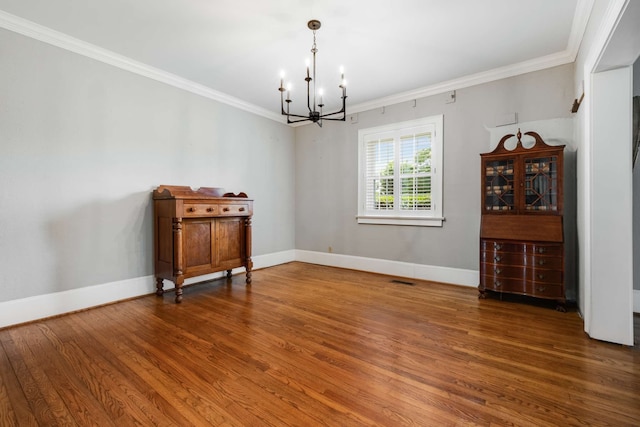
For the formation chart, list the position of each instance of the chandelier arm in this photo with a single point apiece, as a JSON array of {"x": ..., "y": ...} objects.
[
  {"x": 342, "y": 111},
  {"x": 298, "y": 115},
  {"x": 304, "y": 119}
]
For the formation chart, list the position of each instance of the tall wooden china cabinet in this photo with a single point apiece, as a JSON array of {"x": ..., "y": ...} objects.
[{"x": 521, "y": 232}]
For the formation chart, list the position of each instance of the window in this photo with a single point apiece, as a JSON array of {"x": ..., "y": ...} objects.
[{"x": 400, "y": 173}]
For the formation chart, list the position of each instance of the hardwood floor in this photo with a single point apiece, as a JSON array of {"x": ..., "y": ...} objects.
[{"x": 307, "y": 345}]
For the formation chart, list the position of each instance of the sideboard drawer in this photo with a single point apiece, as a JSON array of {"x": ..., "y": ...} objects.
[
  {"x": 234, "y": 209},
  {"x": 199, "y": 209}
]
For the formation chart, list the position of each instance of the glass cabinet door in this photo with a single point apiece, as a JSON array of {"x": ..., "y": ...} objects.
[
  {"x": 499, "y": 185},
  {"x": 541, "y": 183}
]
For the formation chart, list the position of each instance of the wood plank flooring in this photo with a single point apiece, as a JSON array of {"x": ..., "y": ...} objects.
[{"x": 308, "y": 345}]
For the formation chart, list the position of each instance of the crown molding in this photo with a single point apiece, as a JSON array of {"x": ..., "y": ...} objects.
[
  {"x": 56, "y": 38},
  {"x": 578, "y": 27},
  {"x": 64, "y": 41},
  {"x": 537, "y": 64}
]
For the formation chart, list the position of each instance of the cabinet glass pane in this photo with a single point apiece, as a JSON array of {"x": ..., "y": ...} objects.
[
  {"x": 498, "y": 184},
  {"x": 541, "y": 184}
]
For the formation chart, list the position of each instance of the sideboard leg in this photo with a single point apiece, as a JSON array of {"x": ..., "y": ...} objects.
[
  {"x": 248, "y": 266},
  {"x": 178, "y": 294},
  {"x": 561, "y": 307},
  {"x": 159, "y": 290},
  {"x": 228, "y": 274}
]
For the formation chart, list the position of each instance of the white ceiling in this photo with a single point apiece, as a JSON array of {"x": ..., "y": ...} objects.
[{"x": 391, "y": 51}]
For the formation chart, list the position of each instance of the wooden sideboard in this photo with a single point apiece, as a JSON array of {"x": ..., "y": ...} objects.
[{"x": 199, "y": 232}]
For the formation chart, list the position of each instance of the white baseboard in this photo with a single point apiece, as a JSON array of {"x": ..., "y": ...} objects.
[
  {"x": 456, "y": 276},
  {"x": 41, "y": 306},
  {"x": 47, "y": 305}
]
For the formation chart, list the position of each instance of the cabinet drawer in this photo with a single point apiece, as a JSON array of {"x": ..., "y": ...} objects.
[
  {"x": 503, "y": 258},
  {"x": 543, "y": 249},
  {"x": 545, "y": 290},
  {"x": 539, "y": 275},
  {"x": 234, "y": 209},
  {"x": 500, "y": 284},
  {"x": 546, "y": 262},
  {"x": 199, "y": 209},
  {"x": 500, "y": 246},
  {"x": 502, "y": 271}
]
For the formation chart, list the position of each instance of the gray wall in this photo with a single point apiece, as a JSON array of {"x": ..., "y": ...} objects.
[
  {"x": 82, "y": 145},
  {"x": 326, "y": 171}
]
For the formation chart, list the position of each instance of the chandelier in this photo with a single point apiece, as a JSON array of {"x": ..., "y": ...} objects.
[{"x": 314, "y": 98}]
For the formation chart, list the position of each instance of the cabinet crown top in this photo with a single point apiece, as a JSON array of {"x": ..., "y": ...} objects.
[
  {"x": 538, "y": 145},
  {"x": 186, "y": 192}
]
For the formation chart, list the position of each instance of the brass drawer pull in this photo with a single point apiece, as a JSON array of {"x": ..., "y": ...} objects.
[
  {"x": 241, "y": 210},
  {"x": 225, "y": 210},
  {"x": 542, "y": 262},
  {"x": 497, "y": 271},
  {"x": 497, "y": 246},
  {"x": 497, "y": 283},
  {"x": 542, "y": 250},
  {"x": 209, "y": 209},
  {"x": 540, "y": 276},
  {"x": 541, "y": 289},
  {"x": 191, "y": 209},
  {"x": 497, "y": 258}
]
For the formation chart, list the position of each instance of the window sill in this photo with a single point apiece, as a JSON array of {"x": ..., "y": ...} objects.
[{"x": 399, "y": 220}]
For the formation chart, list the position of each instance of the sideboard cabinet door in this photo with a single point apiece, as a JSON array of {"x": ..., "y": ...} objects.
[
  {"x": 199, "y": 237},
  {"x": 230, "y": 238}
]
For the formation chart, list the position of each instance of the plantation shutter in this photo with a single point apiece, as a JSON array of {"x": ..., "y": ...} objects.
[
  {"x": 415, "y": 172},
  {"x": 380, "y": 158}
]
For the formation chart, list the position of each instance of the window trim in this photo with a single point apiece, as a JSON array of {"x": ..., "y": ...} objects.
[{"x": 431, "y": 218}]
